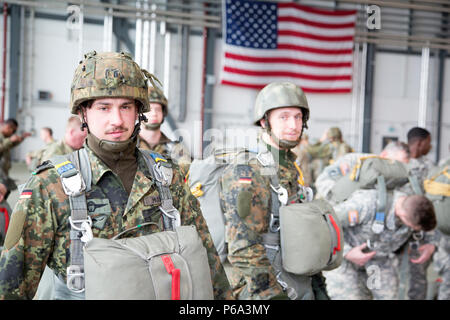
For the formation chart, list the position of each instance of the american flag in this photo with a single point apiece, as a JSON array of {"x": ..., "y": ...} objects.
[{"x": 285, "y": 41}]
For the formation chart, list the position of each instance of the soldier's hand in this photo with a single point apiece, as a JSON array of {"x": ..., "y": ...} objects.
[
  {"x": 358, "y": 257},
  {"x": 426, "y": 251},
  {"x": 15, "y": 138}
]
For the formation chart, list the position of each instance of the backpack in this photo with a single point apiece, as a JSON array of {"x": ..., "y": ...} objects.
[
  {"x": 204, "y": 181},
  {"x": 169, "y": 264},
  {"x": 437, "y": 189}
]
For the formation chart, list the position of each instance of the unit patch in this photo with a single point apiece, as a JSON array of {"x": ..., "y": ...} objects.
[{"x": 353, "y": 218}]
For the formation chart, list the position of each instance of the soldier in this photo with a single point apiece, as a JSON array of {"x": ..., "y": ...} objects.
[
  {"x": 8, "y": 140},
  {"x": 109, "y": 93},
  {"x": 281, "y": 109},
  {"x": 419, "y": 142},
  {"x": 152, "y": 138},
  {"x": 74, "y": 137},
  {"x": 330, "y": 147},
  {"x": 372, "y": 274},
  {"x": 32, "y": 158}
]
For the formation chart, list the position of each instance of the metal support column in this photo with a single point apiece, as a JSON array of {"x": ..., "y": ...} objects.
[
  {"x": 368, "y": 97},
  {"x": 14, "y": 60},
  {"x": 209, "y": 81}
]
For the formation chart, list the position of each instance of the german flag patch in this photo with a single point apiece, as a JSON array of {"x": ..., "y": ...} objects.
[
  {"x": 26, "y": 194},
  {"x": 247, "y": 180}
]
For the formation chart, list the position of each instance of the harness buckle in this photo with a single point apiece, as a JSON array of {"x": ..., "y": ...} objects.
[
  {"x": 75, "y": 278},
  {"x": 73, "y": 185},
  {"x": 282, "y": 194}
]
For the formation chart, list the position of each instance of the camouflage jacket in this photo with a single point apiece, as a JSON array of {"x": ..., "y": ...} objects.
[
  {"x": 36, "y": 156},
  {"x": 357, "y": 215},
  {"x": 245, "y": 198},
  {"x": 420, "y": 167},
  {"x": 56, "y": 148},
  {"x": 5, "y": 153},
  {"x": 174, "y": 150},
  {"x": 39, "y": 230}
]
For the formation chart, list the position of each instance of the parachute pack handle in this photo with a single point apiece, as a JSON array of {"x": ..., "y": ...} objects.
[
  {"x": 333, "y": 226},
  {"x": 175, "y": 273},
  {"x": 134, "y": 228}
]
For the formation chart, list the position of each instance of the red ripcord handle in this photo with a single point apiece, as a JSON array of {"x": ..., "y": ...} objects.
[
  {"x": 168, "y": 263},
  {"x": 338, "y": 233}
]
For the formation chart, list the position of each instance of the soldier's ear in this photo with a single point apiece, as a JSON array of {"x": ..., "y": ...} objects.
[{"x": 262, "y": 122}]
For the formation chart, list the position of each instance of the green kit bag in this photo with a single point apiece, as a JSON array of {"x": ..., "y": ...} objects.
[
  {"x": 168, "y": 265},
  {"x": 365, "y": 174},
  {"x": 311, "y": 237}
]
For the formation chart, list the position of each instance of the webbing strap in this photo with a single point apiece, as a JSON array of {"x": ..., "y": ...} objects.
[
  {"x": 438, "y": 188},
  {"x": 168, "y": 263},
  {"x": 161, "y": 172},
  {"x": 378, "y": 223},
  {"x": 415, "y": 185}
]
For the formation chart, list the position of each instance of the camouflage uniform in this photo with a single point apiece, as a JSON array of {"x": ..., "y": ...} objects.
[
  {"x": 5, "y": 153},
  {"x": 245, "y": 197},
  {"x": 325, "y": 153},
  {"x": 419, "y": 167},
  {"x": 303, "y": 161},
  {"x": 378, "y": 279},
  {"x": 441, "y": 260},
  {"x": 57, "y": 148},
  {"x": 174, "y": 150},
  {"x": 36, "y": 156},
  {"x": 39, "y": 232}
]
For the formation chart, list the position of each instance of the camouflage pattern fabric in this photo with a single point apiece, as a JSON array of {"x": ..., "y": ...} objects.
[
  {"x": 173, "y": 150},
  {"x": 245, "y": 197},
  {"x": 361, "y": 208},
  {"x": 39, "y": 230},
  {"x": 58, "y": 148},
  {"x": 36, "y": 156},
  {"x": 441, "y": 260},
  {"x": 419, "y": 167},
  {"x": 5, "y": 153}
]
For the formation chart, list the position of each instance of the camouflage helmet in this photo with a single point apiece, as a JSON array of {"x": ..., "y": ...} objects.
[
  {"x": 278, "y": 95},
  {"x": 108, "y": 75},
  {"x": 334, "y": 133},
  {"x": 155, "y": 95}
]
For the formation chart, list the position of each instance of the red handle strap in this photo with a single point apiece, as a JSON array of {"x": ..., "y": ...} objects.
[
  {"x": 5, "y": 213},
  {"x": 338, "y": 234},
  {"x": 168, "y": 263}
]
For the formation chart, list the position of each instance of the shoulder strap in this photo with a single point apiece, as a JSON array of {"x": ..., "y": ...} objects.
[
  {"x": 161, "y": 172},
  {"x": 80, "y": 223}
]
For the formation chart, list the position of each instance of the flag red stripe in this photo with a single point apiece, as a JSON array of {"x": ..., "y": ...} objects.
[
  {"x": 335, "y": 13},
  {"x": 314, "y": 36},
  {"x": 286, "y": 74},
  {"x": 316, "y": 24},
  {"x": 287, "y": 60},
  {"x": 305, "y": 89},
  {"x": 314, "y": 50}
]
